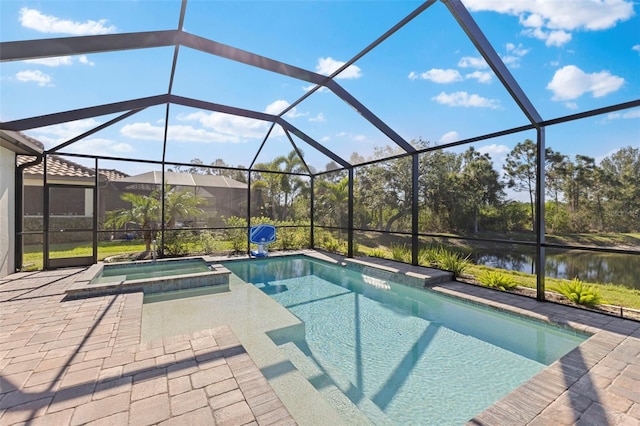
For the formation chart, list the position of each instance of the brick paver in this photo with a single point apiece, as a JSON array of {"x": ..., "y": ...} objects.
[{"x": 81, "y": 362}]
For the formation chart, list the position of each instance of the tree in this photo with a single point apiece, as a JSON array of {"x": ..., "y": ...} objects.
[
  {"x": 479, "y": 183},
  {"x": 437, "y": 182},
  {"x": 520, "y": 169},
  {"x": 622, "y": 169},
  {"x": 370, "y": 201},
  {"x": 181, "y": 204},
  {"x": 144, "y": 211},
  {"x": 291, "y": 163},
  {"x": 555, "y": 171},
  {"x": 268, "y": 182},
  {"x": 333, "y": 198}
]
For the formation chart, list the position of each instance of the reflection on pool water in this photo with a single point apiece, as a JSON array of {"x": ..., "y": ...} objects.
[{"x": 404, "y": 355}]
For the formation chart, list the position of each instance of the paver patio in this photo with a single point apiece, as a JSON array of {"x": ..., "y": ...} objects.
[{"x": 82, "y": 362}]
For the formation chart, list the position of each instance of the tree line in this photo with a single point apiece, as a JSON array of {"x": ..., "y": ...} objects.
[{"x": 457, "y": 192}]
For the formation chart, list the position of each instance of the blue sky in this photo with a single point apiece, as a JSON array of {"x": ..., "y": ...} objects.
[{"x": 426, "y": 81}]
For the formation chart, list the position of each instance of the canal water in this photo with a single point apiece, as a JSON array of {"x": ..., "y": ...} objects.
[{"x": 592, "y": 267}]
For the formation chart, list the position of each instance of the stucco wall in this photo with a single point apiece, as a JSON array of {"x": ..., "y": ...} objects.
[{"x": 7, "y": 211}]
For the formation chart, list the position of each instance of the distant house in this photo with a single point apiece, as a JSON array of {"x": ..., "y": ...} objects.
[
  {"x": 65, "y": 172},
  {"x": 225, "y": 196}
]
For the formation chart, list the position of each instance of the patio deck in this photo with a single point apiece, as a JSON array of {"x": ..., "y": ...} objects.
[{"x": 83, "y": 362}]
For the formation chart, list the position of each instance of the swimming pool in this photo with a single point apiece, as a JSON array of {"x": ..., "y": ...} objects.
[
  {"x": 142, "y": 270},
  {"x": 150, "y": 277},
  {"x": 403, "y": 355}
]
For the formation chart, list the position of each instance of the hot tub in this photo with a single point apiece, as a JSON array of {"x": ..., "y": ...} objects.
[{"x": 152, "y": 276}]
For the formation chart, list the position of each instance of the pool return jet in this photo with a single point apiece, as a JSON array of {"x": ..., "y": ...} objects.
[{"x": 262, "y": 235}]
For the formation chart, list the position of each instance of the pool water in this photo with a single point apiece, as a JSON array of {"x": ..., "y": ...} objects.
[
  {"x": 146, "y": 270},
  {"x": 408, "y": 356}
]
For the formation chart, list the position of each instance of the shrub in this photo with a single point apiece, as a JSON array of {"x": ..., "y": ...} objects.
[
  {"x": 428, "y": 256},
  {"x": 209, "y": 242},
  {"x": 578, "y": 292},
  {"x": 237, "y": 233},
  {"x": 496, "y": 279},
  {"x": 286, "y": 238},
  {"x": 400, "y": 253},
  {"x": 177, "y": 243},
  {"x": 330, "y": 244},
  {"x": 378, "y": 252},
  {"x": 451, "y": 261}
]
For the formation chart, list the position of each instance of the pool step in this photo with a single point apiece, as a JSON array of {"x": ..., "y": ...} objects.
[
  {"x": 414, "y": 276},
  {"x": 334, "y": 387}
]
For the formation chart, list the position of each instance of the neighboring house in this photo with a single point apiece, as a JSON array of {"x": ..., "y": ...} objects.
[
  {"x": 61, "y": 171},
  {"x": 224, "y": 196}
]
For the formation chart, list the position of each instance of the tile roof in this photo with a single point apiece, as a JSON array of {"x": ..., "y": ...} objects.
[{"x": 58, "y": 166}]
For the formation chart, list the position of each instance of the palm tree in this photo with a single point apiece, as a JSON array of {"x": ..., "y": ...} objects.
[
  {"x": 335, "y": 197},
  {"x": 269, "y": 182},
  {"x": 181, "y": 204},
  {"x": 144, "y": 211},
  {"x": 292, "y": 163}
]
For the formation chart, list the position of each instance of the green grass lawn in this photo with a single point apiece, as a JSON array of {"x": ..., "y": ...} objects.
[
  {"x": 612, "y": 294},
  {"x": 33, "y": 254}
]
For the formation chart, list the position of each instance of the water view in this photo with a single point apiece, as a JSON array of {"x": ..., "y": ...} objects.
[{"x": 587, "y": 266}]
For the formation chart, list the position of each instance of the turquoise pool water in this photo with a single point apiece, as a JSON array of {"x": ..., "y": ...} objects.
[
  {"x": 405, "y": 355},
  {"x": 146, "y": 270}
]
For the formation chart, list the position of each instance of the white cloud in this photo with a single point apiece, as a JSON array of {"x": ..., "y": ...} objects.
[
  {"x": 224, "y": 128},
  {"x": 327, "y": 66},
  {"x": 325, "y": 139},
  {"x": 481, "y": 76},
  {"x": 494, "y": 150},
  {"x": 552, "y": 21},
  {"x": 625, "y": 115},
  {"x": 59, "y": 133},
  {"x": 516, "y": 50},
  {"x": 35, "y": 20},
  {"x": 449, "y": 137},
  {"x": 52, "y": 62},
  {"x": 311, "y": 86},
  {"x": 85, "y": 60},
  {"x": 557, "y": 38},
  {"x": 100, "y": 146},
  {"x": 352, "y": 136},
  {"x": 276, "y": 108},
  {"x": 318, "y": 118},
  {"x": 437, "y": 75},
  {"x": 34, "y": 75},
  {"x": 464, "y": 99},
  {"x": 498, "y": 154},
  {"x": 473, "y": 62},
  {"x": 59, "y": 61},
  {"x": 570, "y": 82},
  {"x": 514, "y": 55},
  {"x": 550, "y": 38},
  {"x": 571, "y": 105},
  {"x": 178, "y": 133},
  {"x": 636, "y": 48}
]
